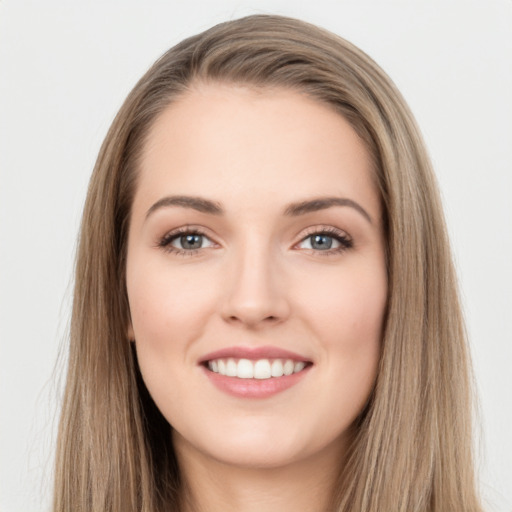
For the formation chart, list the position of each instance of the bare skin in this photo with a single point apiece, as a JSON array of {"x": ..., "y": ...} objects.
[
  {"x": 256, "y": 229},
  {"x": 213, "y": 485}
]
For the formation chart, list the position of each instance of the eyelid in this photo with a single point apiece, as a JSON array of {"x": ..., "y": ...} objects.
[
  {"x": 342, "y": 237},
  {"x": 345, "y": 240},
  {"x": 324, "y": 229},
  {"x": 165, "y": 242},
  {"x": 178, "y": 236}
]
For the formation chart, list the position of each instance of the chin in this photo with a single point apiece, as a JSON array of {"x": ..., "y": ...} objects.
[
  {"x": 260, "y": 446},
  {"x": 259, "y": 455}
]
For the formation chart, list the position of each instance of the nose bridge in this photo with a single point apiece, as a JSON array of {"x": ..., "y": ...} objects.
[{"x": 255, "y": 292}]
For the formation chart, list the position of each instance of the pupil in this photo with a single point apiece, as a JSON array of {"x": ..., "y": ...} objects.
[
  {"x": 191, "y": 241},
  {"x": 321, "y": 242}
]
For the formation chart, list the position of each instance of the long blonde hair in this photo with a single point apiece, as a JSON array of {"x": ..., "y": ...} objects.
[{"x": 412, "y": 443}]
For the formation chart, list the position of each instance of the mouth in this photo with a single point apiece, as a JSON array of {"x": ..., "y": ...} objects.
[
  {"x": 254, "y": 372},
  {"x": 255, "y": 369}
]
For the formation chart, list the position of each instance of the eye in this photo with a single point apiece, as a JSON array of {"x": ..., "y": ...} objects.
[
  {"x": 189, "y": 241},
  {"x": 321, "y": 242},
  {"x": 185, "y": 241},
  {"x": 328, "y": 241}
]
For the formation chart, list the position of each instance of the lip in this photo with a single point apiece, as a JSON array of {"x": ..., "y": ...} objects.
[
  {"x": 254, "y": 388},
  {"x": 253, "y": 353}
]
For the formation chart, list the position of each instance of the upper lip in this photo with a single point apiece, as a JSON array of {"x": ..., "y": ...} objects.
[{"x": 254, "y": 353}]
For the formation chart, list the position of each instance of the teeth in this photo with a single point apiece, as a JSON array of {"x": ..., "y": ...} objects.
[
  {"x": 277, "y": 368},
  {"x": 288, "y": 367},
  {"x": 299, "y": 367},
  {"x": 231, "y": 368},
  {"x": 245, "y": 369},
  {"x": 261, "y": 369}
]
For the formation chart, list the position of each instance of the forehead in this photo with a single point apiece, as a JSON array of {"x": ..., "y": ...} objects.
[{"x": 239, "y": 142}]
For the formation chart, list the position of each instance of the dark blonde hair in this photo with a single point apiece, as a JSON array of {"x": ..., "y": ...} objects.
[{"x": 412, "y": 443}]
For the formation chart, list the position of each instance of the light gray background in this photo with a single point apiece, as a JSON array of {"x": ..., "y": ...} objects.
[{"x": 65, "y": 68}]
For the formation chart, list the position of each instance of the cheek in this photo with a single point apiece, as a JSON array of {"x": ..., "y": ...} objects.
[
  {"x": 167, "y": 306},
  {"x": 170, "y": 309},
  {"x": 166, "y": 313},
  {"x": 349, "y": 309},
  {"x": 348, "y": 317}
]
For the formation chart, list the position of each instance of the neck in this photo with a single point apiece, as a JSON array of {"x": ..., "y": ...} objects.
[{"x": 210, "y": 485}]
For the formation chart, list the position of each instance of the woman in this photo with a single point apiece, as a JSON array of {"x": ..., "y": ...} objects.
[{"x": 265, "y": 312}]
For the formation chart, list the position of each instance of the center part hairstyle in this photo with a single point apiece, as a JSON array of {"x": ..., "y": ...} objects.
[{"x": 411, "y": 450}]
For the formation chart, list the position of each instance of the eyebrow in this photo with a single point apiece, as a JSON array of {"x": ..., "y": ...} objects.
[
  {"x": 292, "y": 210},
  {"x": 322, "y": 203},
  {"x": 196, "y": 203}
]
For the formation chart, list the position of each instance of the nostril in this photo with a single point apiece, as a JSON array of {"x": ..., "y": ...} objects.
[{"x": 253, "y": 319}]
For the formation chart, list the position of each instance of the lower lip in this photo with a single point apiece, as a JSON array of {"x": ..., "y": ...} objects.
[{"x": 255, "y": 388}]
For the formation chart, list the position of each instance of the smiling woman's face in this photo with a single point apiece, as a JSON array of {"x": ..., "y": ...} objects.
[{"x": 256, "y": 250}]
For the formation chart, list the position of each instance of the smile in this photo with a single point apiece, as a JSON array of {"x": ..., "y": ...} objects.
[
  {"x": 255, "y": 372},
  {"x": 260, "y": 369}
]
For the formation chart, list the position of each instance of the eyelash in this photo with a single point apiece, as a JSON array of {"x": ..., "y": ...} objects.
[
  {"x": 165, "y": 242},
  {"x": 340, "y": 236},
  {"x": 344, "y": 240}
]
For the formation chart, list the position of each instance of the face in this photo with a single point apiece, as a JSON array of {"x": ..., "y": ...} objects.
[{"x": 256, "y": 275}]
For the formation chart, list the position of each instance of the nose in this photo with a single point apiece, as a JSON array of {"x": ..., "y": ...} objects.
[{"x": 256, "y": 292}]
